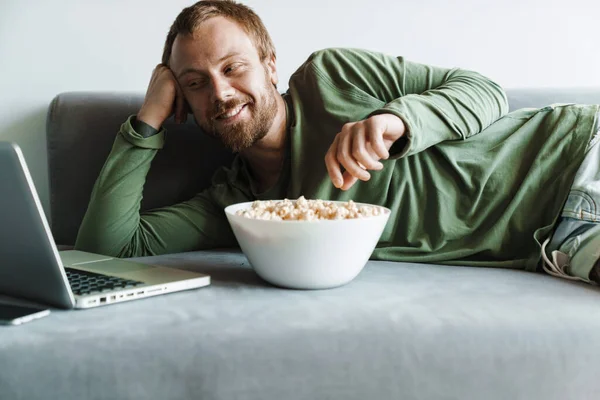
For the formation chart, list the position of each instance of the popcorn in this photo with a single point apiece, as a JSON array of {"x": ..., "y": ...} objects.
[{"x": 307, "y": 210}]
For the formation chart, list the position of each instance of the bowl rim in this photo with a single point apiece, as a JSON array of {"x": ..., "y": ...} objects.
[{"x": 386, "y": 213}]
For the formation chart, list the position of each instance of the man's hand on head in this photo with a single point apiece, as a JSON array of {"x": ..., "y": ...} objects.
[
  {"x": 359, "y": 146},
  {"x": 163, "y": 99}
]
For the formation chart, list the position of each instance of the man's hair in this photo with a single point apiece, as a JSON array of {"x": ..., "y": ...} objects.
[{"x": 191, "y": 17}]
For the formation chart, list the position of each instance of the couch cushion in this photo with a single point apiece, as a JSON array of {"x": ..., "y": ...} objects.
[{"x": 398, "y": 331}]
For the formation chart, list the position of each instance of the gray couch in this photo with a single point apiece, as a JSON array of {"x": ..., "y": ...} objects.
[{"x": 398, "y": 331}]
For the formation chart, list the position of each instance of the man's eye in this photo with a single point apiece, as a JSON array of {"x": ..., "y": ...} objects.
[
  {"x": 231, "y": 68},
  {"x": 194, "y": 84}
]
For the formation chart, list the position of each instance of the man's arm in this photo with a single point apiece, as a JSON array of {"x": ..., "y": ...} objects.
[
  {"x": 435, "y": 104},
  {"x": 432, "y": 104},
  {"x": 113, "y": 224}
]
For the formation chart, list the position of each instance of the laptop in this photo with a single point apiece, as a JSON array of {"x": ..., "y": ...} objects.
[{"x": 31, "y": 267}]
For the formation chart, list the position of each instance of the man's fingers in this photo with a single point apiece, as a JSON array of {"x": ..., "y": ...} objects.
[
  {"x": 333, "y": 166},
  {"x": 155, "y": 73},
  {"x": 375, "y": 133},
  {"x": 372, "y": 152},
  {"x": 345, "y": 158},
  {"x": 357, "y": 148},
  {"x": 349, "y": 181},
  {"x": 360, "y": 152},
  {"x": 180, "y": 106},
  {"x": 186, "y": 109}
]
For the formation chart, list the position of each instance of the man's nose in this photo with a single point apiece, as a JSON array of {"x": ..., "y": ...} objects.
[{"x": 222, "y": 89}]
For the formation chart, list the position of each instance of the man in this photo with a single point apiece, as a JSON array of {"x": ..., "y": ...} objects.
[{"x": 467, "y": 184}]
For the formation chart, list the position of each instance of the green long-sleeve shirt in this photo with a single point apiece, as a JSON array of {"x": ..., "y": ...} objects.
[{"x": 469, "y": 184}]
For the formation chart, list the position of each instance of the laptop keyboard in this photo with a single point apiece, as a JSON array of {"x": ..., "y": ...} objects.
[{"x": 84, "y": 282}]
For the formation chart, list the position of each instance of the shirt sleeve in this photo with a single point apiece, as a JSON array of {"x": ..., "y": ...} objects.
[
  {"x": 436, "y": 104},
  {"x": 113, "y": 224}
]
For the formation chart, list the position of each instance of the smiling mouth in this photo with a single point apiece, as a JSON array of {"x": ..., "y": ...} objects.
[{"x": 231, "y": 113}]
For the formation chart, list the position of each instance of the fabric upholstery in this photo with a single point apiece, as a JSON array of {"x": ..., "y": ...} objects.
[{"x": 398, "y": 331}]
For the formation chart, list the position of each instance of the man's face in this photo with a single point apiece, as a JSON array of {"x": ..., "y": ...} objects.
[{"x": 227, "y": 87}]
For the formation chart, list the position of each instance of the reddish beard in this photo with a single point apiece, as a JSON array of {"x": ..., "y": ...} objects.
[{"x": 243, "y": 134}]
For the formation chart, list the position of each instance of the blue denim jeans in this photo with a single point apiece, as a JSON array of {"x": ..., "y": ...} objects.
[{"x": 574, "y": 248}]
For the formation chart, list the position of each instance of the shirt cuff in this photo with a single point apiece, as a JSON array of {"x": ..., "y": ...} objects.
[
  {"x": 142, "y": 128},
  {"x": 128, "y": 133}
]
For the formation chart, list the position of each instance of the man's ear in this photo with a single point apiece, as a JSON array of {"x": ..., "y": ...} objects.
[{"x": 271, "y": 66}]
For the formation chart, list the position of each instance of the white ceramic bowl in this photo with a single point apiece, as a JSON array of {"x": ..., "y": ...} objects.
[{"x": 307, "y": 254}]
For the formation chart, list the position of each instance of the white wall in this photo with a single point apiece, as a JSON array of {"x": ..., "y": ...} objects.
[{"x": 48, "y": 47}]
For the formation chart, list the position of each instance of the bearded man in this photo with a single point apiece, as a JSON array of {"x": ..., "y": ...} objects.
[{"x": 467, "y": 183}]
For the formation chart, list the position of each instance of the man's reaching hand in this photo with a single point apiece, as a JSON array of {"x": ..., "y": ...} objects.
[{"x": 359, "y": 147}]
